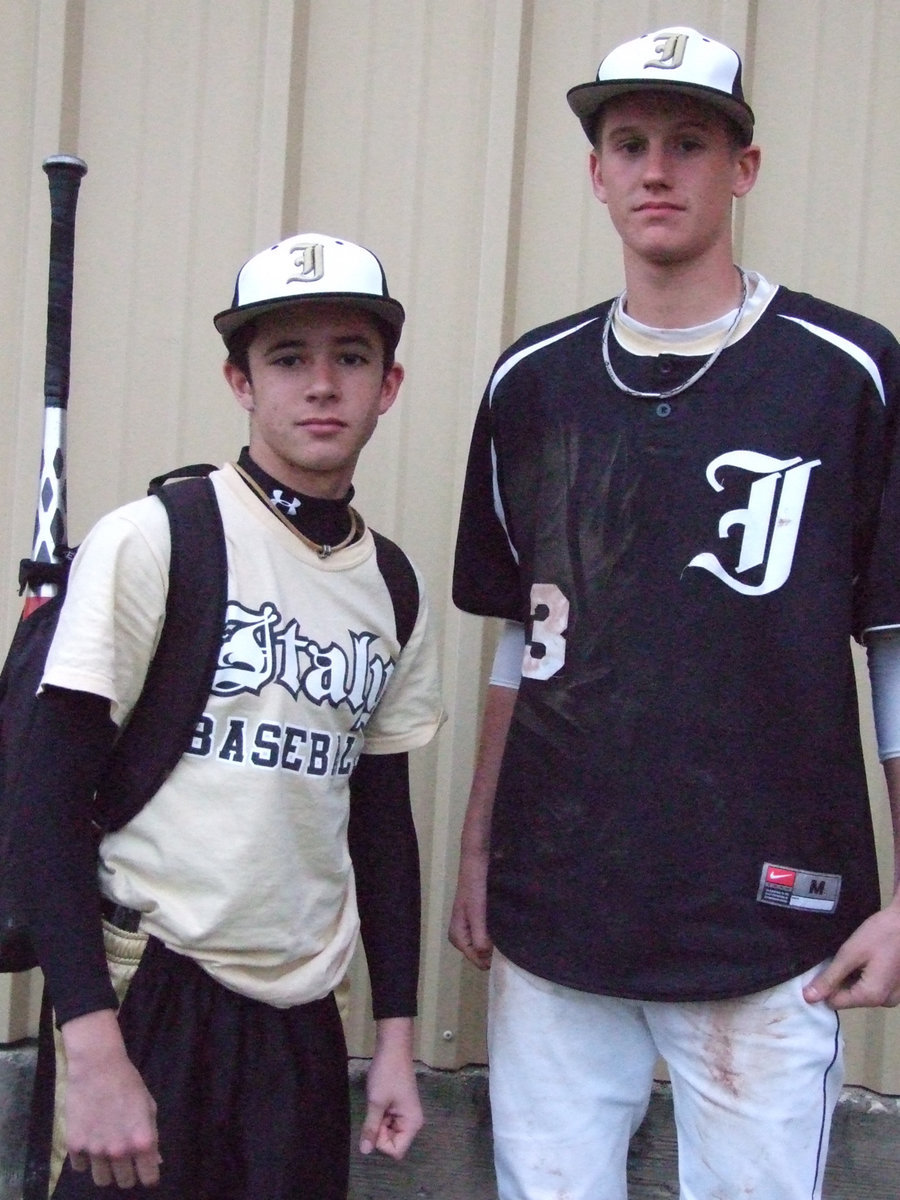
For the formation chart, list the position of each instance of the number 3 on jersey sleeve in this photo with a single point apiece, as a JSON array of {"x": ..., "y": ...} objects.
[{"x": 545, "y": 652}]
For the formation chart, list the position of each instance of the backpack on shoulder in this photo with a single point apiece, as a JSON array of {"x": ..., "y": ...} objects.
[
  {"x": 178, "y": 681},
  {"x": 174, "y": 694}
]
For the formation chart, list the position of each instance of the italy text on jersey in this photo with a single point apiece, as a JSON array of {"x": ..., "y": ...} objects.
[{"x": 259, "y": 650}]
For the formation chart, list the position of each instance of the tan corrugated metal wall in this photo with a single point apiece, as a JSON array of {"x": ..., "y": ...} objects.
[{"x": 437, "y": 132}]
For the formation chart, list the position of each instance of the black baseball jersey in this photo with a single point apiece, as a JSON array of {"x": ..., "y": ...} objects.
[{"x": 682, "y": 809}]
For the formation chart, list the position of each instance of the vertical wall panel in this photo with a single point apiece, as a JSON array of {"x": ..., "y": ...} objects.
[
  {"x": 822, "y": 215},
  {"x": 825, "y": 92},
  {"x": 412, "y": 155},
  {"x": 31, "y": 119},
  {"x": 35, "y": 122},
  {"x": 438, "y": 133},
  {"x": 170, "y": 209}
]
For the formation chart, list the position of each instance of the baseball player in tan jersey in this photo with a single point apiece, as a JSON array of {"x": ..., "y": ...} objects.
[{"x": 202, "y": 1049}]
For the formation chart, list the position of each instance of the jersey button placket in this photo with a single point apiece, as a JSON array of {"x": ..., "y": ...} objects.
[{"x": 662, "y": 435}]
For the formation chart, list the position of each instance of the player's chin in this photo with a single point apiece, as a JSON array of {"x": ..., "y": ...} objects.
[
  {"x": 666, "y": 252},
  {"x": 324, "y": 452}
]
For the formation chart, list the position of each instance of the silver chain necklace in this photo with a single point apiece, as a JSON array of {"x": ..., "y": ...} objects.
[{"x": 682, "y": 387}]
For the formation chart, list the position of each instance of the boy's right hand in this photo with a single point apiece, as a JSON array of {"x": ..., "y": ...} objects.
[
  {"x": 110, "y": 1115},
  {"x": 468, "y": 920}
]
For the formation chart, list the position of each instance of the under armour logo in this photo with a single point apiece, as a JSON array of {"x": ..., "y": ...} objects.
[
  {"x": 309, "y": 259},
  {"x": 669, "y": 49},
  {"x": 770, "y": 522},
  {"x": 290, "y": 504}
]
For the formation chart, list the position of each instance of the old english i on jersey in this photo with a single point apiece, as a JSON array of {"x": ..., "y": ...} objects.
[
  {"x": 240, "y": 860},
  {"x": 682, "y": 809}
]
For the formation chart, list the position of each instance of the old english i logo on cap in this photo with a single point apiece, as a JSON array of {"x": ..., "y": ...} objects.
[
  {"x": 310, "y": 267},
  {"x": 674, "y": 57},
  {"x": 669, "y": 49},
  {"x": 309, "y": 259}
]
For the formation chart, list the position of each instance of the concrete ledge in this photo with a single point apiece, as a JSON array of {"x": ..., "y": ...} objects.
[
  {"x": 452, "y": 1157},
  {"x": 16, "y": 1073}
]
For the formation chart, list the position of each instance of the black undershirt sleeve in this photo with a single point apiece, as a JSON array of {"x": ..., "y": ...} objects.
[
  {"x": 61, "y": 766},
  {"x": 63, "y": 759},
  {"x": 385, "y": 854}
]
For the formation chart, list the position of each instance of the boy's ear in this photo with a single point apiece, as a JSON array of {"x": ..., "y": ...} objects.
[
  {"x": 239, "y": 384},
  {"x": 390, "y": 386},
  {"x": 596, "y": 176},
  {"x": 748, "y": 163}
]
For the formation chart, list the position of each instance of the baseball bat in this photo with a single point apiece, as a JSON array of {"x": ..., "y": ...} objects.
[{"x": 64, "y": 173}]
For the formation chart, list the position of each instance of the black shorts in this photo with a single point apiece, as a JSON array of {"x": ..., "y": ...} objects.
[{"x": 252, "y": 1100}]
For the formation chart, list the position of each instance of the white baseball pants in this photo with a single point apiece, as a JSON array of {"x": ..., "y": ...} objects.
[{"x": 754, "y": 1082}]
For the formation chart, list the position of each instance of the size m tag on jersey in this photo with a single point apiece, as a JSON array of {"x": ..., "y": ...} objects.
[{"x": 786, "y": 887}]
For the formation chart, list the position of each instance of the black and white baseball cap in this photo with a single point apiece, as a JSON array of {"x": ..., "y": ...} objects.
[
  {"x": 677, "y": 57},
  {"x": 307, "y": 267}
]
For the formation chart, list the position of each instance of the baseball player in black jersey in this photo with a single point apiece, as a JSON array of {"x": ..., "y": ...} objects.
[{"x": 684, "y": 503}]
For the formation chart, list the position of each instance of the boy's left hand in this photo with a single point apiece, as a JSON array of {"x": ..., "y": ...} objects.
[
  {"x": 394, "y": 1111},
  {"x": 865, "y": 972}
]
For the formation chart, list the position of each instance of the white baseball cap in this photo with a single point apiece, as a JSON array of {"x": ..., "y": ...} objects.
[
  {"x": 310, "y": 266},
  {"x": 676, "y": 57}
]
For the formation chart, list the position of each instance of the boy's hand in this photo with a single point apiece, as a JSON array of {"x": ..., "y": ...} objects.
[
  {"x": 110, "y": 1115},
  {"x": 394, "y": 1111},
  {"x": 468, "y": 920},
  {"x": 865, "y": 972}
]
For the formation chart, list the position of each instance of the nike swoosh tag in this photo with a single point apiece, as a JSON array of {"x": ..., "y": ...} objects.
[{"x": 789, "y": 887}]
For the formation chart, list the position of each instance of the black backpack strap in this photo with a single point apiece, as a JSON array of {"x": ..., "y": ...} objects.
[
  {"x": 401, "y": 582},
  {"x": 180, "y": 676},
  {"x": 192, "y": 471}
]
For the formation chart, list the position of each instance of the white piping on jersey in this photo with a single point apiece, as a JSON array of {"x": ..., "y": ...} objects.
[
  {"x": 515, "y": 359},
  {"x": 842, "y": 343},
  {"x": 500, "y": 374}
]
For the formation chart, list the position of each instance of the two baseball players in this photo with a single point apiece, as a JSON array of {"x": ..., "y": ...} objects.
[{"x": 684, "y": 502}]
